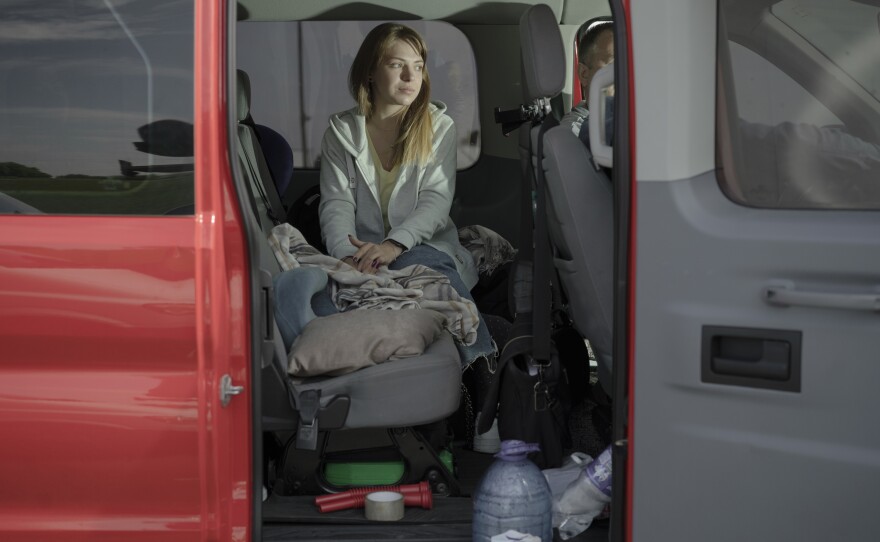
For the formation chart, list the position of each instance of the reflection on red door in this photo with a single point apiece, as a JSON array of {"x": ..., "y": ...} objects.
[{"x": 115, "y": 332}]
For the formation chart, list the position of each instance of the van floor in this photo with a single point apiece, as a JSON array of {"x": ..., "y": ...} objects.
[{"x": 297, "y": 518}]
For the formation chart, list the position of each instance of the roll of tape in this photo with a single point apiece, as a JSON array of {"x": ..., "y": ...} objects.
[{"x": 384, "y": 506}]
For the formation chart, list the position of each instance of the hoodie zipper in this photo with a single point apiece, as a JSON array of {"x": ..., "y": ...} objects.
[{"x": 352, "y": 176}]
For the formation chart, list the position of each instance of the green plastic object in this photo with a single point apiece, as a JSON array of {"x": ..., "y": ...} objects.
[
  {"x": 355, "y": 473},
  {"x": 373, "y": 473},
  {"x": 447, "y": 460}
]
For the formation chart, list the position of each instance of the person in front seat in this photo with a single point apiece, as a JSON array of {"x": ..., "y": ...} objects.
[
  {"x": 388, "y": 172},
  {"x": 596, "y": 50}
]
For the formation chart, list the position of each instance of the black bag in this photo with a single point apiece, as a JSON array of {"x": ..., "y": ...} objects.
[
  {"x": 303, "y": 216},
  {"x": 531, "y": 408},
  {"x": 575, "y": 358},
  {"x": 491, "y": 293}
]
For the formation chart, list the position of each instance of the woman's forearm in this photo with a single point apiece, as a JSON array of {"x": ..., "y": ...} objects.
[{"x": 337, "y": 209}]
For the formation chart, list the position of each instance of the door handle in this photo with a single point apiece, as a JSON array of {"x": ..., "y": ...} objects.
[
  {"x": 786, "y": 295},
  {"x": 751, "y": 357},
  {"x": 760, "y": 359}
]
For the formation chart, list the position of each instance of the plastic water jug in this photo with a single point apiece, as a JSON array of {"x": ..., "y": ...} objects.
[{"x": 513, "y": 495}]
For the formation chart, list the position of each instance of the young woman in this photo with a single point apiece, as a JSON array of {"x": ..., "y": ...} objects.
[{"x": 388, "y": 171}]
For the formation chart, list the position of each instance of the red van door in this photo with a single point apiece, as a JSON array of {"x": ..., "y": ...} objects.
[
  {"x": 122, "y": 283},
  {"x": 223, "y": 300}
]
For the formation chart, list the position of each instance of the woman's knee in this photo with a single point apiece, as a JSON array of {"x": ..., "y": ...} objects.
[{"x": 424, "y": 255}]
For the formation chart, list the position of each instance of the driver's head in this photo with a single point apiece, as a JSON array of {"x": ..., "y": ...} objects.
[{"x": 595, "y": 50}]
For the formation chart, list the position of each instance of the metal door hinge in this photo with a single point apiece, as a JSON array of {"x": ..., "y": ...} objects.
[{"x": 227, "y": 390}]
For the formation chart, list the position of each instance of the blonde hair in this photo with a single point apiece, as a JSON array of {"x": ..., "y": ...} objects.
[{"x": 415, "y": 141}]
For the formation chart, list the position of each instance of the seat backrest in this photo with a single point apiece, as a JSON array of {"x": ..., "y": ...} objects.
[
  {"x": 278, "y": 156},
  {"x": 580, "y": 212},
  {"x": 580, "y": 202},
  {"x": 253, "y": 159}
]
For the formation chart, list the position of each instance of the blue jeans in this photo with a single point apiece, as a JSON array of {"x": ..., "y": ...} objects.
[{"x": 442, "y": 263}]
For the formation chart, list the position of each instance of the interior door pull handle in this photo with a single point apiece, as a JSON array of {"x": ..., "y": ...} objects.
[
  {"x": 785, "y": 296},
  {"x": 773, "y": 369},
  {"x": 751, "y": 357}
]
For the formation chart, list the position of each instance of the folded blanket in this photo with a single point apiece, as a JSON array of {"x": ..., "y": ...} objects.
[
  {"x": 348, "y": 341},
  {"x": 413, "y": 287}
]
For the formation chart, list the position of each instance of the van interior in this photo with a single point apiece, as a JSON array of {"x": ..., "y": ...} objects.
[
  {"x": 411, "y": 420},
  {"x": 494, "y": 64},
  {"x": 788, "y": 72}
]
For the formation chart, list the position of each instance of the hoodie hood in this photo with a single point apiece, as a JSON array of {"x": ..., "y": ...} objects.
[{"x": 350, "y": 127}]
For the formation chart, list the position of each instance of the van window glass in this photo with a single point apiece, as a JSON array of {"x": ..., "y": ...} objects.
[
  {"x": 751, "y": 93},
  {"x": 848, "y": 33},
  {"x": 299, "y": 77},
  {"x": 799, "y": 122},
  {"x": 96, "y": 107}
]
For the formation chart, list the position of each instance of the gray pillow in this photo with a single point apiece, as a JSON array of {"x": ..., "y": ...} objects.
[{"x": 348, "y": 341}]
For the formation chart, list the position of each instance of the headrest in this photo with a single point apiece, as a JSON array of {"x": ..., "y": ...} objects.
[
  {"x": 242, "y": 95},
  {"x": 543, "y": 54}
]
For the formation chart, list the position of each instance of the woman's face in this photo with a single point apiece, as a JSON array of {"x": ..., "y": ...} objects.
[{"x": 397, "y": 80}]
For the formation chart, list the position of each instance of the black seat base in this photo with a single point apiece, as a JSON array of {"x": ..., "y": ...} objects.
[{"x": 301, "y": 472}]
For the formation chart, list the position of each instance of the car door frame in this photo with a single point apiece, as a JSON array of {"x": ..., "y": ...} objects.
[{"x": 223, "y": 297}]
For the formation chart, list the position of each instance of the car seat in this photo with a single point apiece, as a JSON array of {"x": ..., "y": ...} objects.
[
  {"x": 278, "y": 155},
  {"x": 580, "y": 201},
  {"x": 315, "y": 415}
]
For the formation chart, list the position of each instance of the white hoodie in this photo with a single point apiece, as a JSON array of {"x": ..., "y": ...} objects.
[{"x": 418, "y": 210}]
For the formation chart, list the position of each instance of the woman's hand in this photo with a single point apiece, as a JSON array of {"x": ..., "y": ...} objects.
[{"x": 370, "y": 256}]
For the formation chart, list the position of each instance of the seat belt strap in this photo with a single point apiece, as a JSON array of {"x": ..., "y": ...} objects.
[
  {"x": 254, "y": 183},
  {"x": 542, "y": 298},
  {"x": 259, "y": 182}
]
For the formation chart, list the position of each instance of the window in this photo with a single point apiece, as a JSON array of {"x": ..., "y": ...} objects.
[
  {"x": 96, "y": 107},
  {"x": 788, "y": 102},
  {"x": 296, "y": 96},
  {"x": 799, "y": 119},
  {"x": 847, "y": 32}
]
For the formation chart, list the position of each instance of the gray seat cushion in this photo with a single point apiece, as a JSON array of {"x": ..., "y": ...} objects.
[{"x": 397, "y": 393}]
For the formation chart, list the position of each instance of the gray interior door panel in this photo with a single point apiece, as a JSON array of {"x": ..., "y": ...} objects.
[{"x": 731, "y": 458}]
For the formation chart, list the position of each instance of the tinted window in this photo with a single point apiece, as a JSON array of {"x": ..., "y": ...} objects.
[
  {"x": 299, "y": 77},
  {"x": 800, "y": 120},
  {"x": 96, "y": 107}
]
